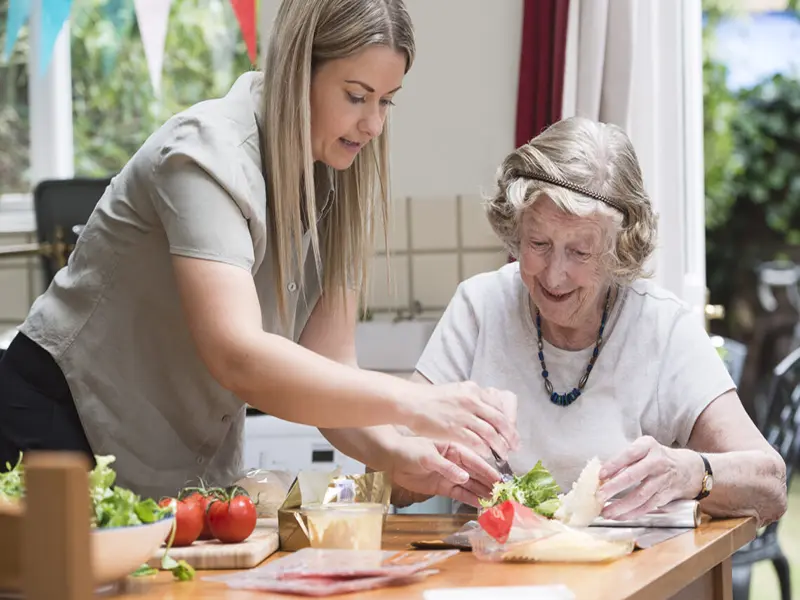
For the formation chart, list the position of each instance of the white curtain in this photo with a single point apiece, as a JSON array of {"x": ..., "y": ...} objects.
[
  {"x": 600, "y": 50},
  {"x": 637, "y": 64}
]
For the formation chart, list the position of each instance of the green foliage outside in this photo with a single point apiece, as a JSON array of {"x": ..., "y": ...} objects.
[
  {"x": 13, "y": 112},
  {"x": 114, "y": 104},
  {"x": 752, "y": 155}
]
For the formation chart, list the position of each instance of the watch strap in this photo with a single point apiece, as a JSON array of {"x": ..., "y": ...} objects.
[{"x": 706, "y": 474}]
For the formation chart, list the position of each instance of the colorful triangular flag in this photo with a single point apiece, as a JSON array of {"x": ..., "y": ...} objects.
[
  {"x": 245, "y": 11},
  {"x": 54, "y": 14},
  {"x": 153, "y": 16},
  {"x": 121, "y": 15},
  {"x": 17, "y": 16}
]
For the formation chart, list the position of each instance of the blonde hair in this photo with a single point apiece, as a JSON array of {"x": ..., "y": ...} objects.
[
  {"x": 596, "y": 156},
  {"x": 305, "y": 34}
]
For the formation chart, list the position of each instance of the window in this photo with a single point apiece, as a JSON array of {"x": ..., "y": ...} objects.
[
  {"x": 14, "y": 132},
  {"x": 114, "y": 105}
]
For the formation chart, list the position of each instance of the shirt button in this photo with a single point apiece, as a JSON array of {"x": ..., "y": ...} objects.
[
  {"x": 226, "y": 418},
  {"x": 200, "y": 460},
  {"x": 292, "y": 286}
]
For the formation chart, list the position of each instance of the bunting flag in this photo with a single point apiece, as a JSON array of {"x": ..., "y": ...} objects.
[
  {"x": 54, "y": 14},
  {"x": 245, "y": 11},
  {"x": 153, "y": 16},
  {"x": 17, "y": 16},
  {"x": 121, "y": 15}
]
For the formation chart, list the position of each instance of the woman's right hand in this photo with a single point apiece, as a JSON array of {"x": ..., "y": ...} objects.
[{"x": 481, "y": 419}]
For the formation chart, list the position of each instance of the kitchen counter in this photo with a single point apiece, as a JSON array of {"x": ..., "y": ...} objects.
[{"x": 695, "y": 565}]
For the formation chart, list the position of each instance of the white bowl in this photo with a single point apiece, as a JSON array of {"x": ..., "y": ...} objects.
[{"x": 119, "y": 551}]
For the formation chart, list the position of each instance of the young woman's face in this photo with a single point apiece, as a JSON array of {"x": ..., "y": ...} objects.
[{"x": 349, "y": 101}]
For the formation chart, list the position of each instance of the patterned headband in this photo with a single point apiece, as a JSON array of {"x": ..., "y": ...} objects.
[{"x": 539, "y": 176}]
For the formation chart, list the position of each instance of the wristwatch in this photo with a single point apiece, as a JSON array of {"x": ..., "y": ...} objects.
[{"x": 708, "y": 480}]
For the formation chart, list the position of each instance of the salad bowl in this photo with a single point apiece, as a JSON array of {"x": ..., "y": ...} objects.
[
  {"x": 119, "y": 551},
  {"x": 126, "y": 530}
]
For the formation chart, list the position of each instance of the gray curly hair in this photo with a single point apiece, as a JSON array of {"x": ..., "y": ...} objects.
[{"x": 580, "y": 153}]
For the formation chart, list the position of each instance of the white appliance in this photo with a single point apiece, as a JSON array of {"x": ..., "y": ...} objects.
[{"x": 271, "y": 443}]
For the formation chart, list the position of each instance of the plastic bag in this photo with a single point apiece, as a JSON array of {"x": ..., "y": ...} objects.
[
  {"x": 511, "y": 532},
  {"x": 268, "y": 490},
  {"x": 315, "y": 572},
  {"x": 328, "y": 586}
]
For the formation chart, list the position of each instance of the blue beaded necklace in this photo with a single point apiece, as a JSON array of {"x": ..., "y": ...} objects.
[{"x": 570, "y": 397}]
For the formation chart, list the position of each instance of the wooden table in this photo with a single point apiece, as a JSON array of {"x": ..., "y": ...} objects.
[{"x": 694, "y": 565}]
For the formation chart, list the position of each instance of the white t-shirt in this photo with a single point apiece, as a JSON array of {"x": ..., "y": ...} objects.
[{"x": 656, "y": 372}]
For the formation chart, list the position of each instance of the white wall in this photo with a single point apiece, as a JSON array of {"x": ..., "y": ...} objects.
[{"x": 455, "y": 116}]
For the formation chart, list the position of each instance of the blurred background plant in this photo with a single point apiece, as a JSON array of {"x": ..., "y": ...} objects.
[
  {"x": 752, "y": 167},
  {"x": 752, "y": 184},
  {"x": 114, "y": 105}
]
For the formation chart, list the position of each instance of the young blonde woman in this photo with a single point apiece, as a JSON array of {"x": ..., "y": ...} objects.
[{"x": 223, "y": 266}]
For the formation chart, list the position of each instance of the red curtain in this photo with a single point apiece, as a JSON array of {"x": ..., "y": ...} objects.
[{"x": 541, "y": 66}]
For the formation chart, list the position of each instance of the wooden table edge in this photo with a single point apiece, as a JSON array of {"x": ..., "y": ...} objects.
[
  {"x": 660, "y": 583},
  {"x": 716, "y": 553}
]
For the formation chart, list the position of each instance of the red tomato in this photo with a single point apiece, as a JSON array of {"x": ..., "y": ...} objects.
[
  {"x": 232, "y": 519},
  {"x": 202, "y": 500},
  {"x": 189, "y": 519},
  {"x": 206, "y": 534}
]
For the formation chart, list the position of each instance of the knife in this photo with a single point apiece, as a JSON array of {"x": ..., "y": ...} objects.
[{"x": 506, "y": 474}]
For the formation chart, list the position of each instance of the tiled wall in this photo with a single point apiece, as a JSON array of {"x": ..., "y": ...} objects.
[{"x": 434, "y": 243}]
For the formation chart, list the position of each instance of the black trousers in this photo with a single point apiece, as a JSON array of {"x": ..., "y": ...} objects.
[{"x": 37, "y": 411}]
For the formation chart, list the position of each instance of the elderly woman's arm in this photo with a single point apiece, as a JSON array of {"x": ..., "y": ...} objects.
[{"x": 749, "y": 475}]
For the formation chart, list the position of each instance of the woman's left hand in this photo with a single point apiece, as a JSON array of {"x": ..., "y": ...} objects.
[{"x": 656, "y": 475}]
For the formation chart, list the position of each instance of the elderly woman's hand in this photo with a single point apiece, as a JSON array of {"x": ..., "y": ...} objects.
[{"x": 656, "y": 475}]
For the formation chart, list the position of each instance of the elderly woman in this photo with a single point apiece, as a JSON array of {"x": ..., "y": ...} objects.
[{"x": 603, "y": 362}]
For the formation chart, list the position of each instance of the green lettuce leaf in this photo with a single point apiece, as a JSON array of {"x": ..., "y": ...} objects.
[
  {"x": 536, "y": 489},
  {"x": 11, "y": 482}
]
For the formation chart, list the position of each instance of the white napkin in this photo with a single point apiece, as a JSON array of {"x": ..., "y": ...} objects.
[
  {"x": 527, "y": 592},
  {"x": 676, "y": 514}
]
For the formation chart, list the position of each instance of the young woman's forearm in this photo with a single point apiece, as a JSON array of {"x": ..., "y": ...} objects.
[
  {"x": 374, "y": 447},
  {"x": 747, "y": 483},
  {"x": 283, "y": 379}
]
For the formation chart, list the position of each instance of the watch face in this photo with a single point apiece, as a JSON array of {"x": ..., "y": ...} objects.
[{"x": 709, "y": 482}]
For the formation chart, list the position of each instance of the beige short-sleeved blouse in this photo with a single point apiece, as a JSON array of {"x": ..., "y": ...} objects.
[{"x": 112, "y": 317}]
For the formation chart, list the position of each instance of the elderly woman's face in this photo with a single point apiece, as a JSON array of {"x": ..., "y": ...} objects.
[{"x": 560, "y": 262}]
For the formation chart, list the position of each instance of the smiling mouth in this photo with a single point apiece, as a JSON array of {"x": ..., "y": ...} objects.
[{"x": 555, "y": 297}]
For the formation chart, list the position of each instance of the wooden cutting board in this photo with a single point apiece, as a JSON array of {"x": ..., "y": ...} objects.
[{"x": 212, "y": 554}]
